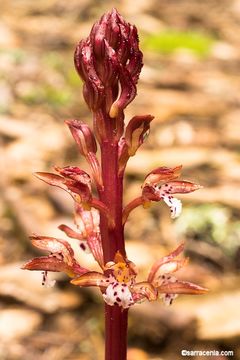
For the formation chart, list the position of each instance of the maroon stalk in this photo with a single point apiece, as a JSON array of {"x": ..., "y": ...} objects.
[{"x": 113, "y": 241}]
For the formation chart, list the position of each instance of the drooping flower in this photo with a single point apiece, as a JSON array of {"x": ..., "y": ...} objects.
[
  {"x": 117, "y": 281},
  {"x": 62, "y": 257},
  {"x": 64, "y": 254},
  {"x": 160, "y": 184},
  {"x": 71, "y": 179}
]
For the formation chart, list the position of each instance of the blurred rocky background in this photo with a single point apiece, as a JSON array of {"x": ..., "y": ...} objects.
[{"x": 191, "y": 83}]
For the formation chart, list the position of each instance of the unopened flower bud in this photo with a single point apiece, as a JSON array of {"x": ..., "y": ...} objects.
[
  {"x": 83, "y": 136},
  {"x": 136, "y": 131}
]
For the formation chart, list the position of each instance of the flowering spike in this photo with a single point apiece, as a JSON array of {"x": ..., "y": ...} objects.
[{"x": 109, "y": 62}]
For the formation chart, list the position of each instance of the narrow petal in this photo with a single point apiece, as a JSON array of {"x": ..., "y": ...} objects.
[
  {"x": 135, "y": 132},
  {"x": 95, "y": 246},
  {"x": 47, "y": 263},
  {"x": 74, "y": 173},
  {"x": 70, "y": 232},
  {"x": 75, "y": 183},
  {"x": 91, "y": 278},
  {"x": 60, "y": 250},
  {"x": 82, "y": 242},
  {"x": 182, "y": 287},
  {"x": 51, "y": 179},
  {"x": 179, "y": 187},
  {"x": 87, "y": 221}
]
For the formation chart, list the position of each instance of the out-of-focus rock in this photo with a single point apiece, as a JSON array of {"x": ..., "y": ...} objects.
[
  {"x": 25, "y": 286},
  {"x": 225, "y": 51},
  {"x": 17, "y": 323},
  {"x": 134, "y": 353},
  {"x": 217, "y": 315},
  {"x": 229, "y": 127},
  {"x": 6, "y": 98},
  {"x": 29, "y": 149},
  {"x": 7, "y": 36},
  {"x": 157, "y": 321},
  {"x": 165, "y": 104}
]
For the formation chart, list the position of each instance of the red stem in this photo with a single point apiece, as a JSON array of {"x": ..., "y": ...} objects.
[{"x": 113, "y": 241}]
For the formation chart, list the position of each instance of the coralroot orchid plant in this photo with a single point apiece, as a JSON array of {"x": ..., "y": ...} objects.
[{"x": 109, "y": 62}]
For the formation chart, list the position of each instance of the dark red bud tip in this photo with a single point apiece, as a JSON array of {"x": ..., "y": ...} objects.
[{"x": 109, "y": 62}]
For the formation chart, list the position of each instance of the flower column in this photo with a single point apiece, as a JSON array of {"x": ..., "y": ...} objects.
[{"x": 109, "y": 62}]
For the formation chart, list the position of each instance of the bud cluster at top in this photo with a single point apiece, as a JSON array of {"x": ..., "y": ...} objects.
[{"x": 109, "y": 62}]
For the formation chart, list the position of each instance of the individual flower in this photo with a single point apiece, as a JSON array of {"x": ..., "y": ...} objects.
[
  {"x": 160, "y": 184},
  {"x": 65, "y": 254},
  {"x": 62, "y": 257},
  {"x": 117, "y": 279},
  {"x": 119, "y": 286},
  {"x": 71, "y": 179},
  {"x": 87, "y": 223}
]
